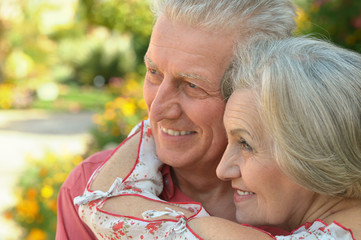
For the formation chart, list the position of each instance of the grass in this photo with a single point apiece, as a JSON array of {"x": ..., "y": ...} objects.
[{"x": 76, "y": 99}]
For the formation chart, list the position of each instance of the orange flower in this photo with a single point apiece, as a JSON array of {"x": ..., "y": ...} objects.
[
  {"x": 36, "y": 234},
  {"x": 31, "y": 193}
]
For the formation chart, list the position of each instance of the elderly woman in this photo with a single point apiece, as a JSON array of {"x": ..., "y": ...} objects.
[{"x": 294, "y": 155}]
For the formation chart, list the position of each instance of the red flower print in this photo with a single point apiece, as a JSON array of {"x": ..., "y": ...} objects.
[
  {"x": 137, "y": 190},
  {"x": 191, "y": 209},
  {"x": 93, "y": 203},
  {"x": 308, "y": 225},
  {"x": 118, "y": 226},
  {"x": 149, "y": 132},
  {"x": 153, "y": 226}
]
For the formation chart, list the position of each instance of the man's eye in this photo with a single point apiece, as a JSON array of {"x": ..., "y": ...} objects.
[
  {"x": 194, "y": 90},
  {"x": 152, "y": 71},
  {"x": 192, "y": 85},
  {"x": 153, "y": 76}
]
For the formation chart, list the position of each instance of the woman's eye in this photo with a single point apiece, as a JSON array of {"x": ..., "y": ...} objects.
[{"x": 244, "y": 145}]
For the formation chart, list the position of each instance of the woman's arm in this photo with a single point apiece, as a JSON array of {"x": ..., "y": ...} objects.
[
  {"x": 214, "y": 228},
  {"x": 207, "y": 228}
]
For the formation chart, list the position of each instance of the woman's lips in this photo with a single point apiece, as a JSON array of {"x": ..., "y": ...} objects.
[{"x": 241, "y": 195}]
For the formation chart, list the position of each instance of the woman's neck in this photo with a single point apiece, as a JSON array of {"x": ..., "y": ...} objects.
[{"x": 331, "y": 209}]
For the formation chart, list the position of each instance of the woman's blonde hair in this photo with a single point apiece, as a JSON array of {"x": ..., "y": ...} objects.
[{"x": 310, "y": 101}]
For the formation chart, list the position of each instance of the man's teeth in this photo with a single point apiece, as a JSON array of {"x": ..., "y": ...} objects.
[
  {"x": 175, "y": 133},
  {"x": 242, "y": 193}
]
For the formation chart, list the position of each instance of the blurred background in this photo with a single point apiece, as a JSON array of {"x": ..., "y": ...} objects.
[{"x": 71, "y": 75}]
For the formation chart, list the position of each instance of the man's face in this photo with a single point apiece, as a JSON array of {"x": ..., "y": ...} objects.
[{"x": 182, "y": 91}]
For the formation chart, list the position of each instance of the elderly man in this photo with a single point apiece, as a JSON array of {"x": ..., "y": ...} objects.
[{"x": 188, "y": 58}]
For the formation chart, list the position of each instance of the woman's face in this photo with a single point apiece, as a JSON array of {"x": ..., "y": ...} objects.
[{"x": 263, "y": 195}]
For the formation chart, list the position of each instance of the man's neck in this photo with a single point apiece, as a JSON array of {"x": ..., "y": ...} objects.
[{"x": 215, "y": 195}]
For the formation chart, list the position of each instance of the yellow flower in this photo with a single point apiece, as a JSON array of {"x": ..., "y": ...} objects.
[
  {"x": 129, "y": 108},
  {"x": 142, "y": 105},
  {"x": 109, "y": 114},
  {"x": 47, "y": 191},
  {"x": 118, "y": 102},
  {"x": 60, "y": 177},
  {"x": 6, "y": 96},
  {"x": 77, "y": 159},
  {"x": 131, "y": 85},
  {"x": 36, "y": 234},
  {"x": 302, "y": 20}
]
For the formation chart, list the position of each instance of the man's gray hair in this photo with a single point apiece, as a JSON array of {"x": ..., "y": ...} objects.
[{"x": 249, "y": 19}]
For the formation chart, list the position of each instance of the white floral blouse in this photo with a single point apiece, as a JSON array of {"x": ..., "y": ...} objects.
[
  {"x": 145, "y": 180},
  {"x": 319, "y": 230}
]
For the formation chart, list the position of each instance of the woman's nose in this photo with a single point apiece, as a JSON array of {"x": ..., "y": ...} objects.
[{"x": 228, "y": 169}]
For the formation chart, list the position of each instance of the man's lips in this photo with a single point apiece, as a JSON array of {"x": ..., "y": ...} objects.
[{"x": 175, "y": 132}]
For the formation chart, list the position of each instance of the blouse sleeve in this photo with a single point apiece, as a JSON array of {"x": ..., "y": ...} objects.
[{"x": 319, "y": 230}]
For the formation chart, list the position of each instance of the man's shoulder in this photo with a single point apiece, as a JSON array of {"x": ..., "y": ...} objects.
[
  {"x": 80, "y": 175},
  {"x": 97, "y": 158}
]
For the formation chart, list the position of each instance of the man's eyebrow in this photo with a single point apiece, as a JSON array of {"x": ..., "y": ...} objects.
[
  {"x": 182, "y": 75},
  {"x": 193, "y": 76},
  {"x": 239, "y": 131},
  {"x": 150, "y": 62}
]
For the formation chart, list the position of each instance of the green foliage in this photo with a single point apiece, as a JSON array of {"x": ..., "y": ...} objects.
[
  {"x": 72, "y": 41},
  {"x": 132, "y": 16},
  {"x": 99, "y": 53},
  {"x": 126, "y": 16},
  {"x": 337, "y": 20}
]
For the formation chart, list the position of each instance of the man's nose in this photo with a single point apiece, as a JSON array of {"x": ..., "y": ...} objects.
[
  {"x": 166, "y": 103},
  {"x": 228, "y": 169}
]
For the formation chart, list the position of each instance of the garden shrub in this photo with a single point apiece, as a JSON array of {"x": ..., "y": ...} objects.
[
  {"x": 36, "y": 194},
  {"x": 120, "y": 115}
]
